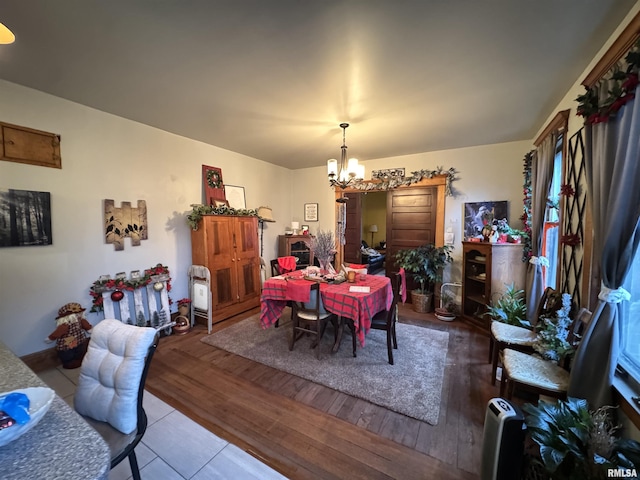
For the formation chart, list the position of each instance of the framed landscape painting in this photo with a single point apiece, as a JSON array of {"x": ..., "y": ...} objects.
[{"x": 25, "y": 218}]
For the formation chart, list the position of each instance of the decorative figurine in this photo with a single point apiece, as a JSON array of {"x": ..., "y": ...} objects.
[{"x": 70, "y": 337}]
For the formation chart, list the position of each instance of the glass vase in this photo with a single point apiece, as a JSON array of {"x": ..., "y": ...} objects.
[{"x": 325, "y": 266}]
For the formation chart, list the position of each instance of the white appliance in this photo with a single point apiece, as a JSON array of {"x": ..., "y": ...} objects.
[{"x": 503, "y": 441}]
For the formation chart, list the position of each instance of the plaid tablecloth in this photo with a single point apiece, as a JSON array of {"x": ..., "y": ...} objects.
[{"x": 358, "y": 306}]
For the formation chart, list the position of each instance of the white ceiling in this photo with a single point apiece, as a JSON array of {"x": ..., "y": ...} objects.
[{"x": 272, "y": 79}]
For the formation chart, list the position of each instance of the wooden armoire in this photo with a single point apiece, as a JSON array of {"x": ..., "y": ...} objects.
[{"x": 228, "y": 246}]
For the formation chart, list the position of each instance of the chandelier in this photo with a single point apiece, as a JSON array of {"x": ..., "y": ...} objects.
[{"x": 345, "y": 173}]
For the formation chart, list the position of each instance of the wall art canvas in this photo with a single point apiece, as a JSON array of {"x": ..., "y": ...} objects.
[
  {"x": 125, "y": 221},
  {"x": 25, "y": 218},
  {"x": 478, "y": 214}
]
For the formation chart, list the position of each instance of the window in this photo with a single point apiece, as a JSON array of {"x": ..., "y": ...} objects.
[
  {"x": 551, "y": 227},
  {"x": 630, "y": 357}
]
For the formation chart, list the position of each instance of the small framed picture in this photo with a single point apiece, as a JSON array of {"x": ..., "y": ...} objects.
[
  {"x": 235, "y": 197},
  {"x": 310, "y": 212},
  {"x": 305, "y": 229}
]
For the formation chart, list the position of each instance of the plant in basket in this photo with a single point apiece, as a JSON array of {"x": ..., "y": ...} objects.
[{"x": 424, "y": 264}]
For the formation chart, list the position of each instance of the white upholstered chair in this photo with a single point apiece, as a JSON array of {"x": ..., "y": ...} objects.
[{"x": 111, "y": 386}]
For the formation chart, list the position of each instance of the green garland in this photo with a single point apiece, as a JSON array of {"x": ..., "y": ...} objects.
[
  {"x": 621, "y": 87},
  {"x": 414, "y": 178},
  {"x": 198, "y": 211},
  {"x": 526, "y": 206},
  {"x": 100, "y": 286}
]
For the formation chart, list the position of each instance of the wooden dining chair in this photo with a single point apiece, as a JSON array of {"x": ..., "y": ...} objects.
[
  {"x": 519, "y": 338},
  {"x": 533, "y": 373},
  {"x": 275, "y": 271},
  {"x": 386, "y": 320},
  {"x": 311, "y": 318}
]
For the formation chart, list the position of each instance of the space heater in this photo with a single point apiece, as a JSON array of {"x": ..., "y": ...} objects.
[{"x": 503, "y": 441}]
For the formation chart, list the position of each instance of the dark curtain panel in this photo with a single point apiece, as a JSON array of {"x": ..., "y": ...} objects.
[
  {"x": 541, "y": 175},
  {"x": 612, "y": 161}
]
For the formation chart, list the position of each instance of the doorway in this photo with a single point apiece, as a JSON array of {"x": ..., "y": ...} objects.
[{"x": 414, "y": 215}]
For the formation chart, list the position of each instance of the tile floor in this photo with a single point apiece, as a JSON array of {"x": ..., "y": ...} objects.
[{"x": 174, "y": 447}]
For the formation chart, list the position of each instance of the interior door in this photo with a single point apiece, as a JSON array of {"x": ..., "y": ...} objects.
[
  {"x": 411, "y": 220},
  {"x": 353, "y": 229}
]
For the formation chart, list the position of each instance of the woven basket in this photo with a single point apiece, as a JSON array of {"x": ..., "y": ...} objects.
[{"x": 422, "y": 303}]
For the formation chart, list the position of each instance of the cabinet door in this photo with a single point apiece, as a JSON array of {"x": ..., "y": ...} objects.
[
  {"x": 247, "y": 258},
  {"x": 221, "y": 260}
]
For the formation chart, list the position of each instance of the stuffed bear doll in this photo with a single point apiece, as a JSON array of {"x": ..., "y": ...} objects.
[{"x": 70, "y": 337}]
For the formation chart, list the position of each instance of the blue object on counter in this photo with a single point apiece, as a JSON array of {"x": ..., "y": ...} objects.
[{"x": 16, "y": 405}]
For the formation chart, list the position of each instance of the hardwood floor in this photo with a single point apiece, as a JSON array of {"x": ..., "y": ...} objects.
[{"x": 308, "y": 431}]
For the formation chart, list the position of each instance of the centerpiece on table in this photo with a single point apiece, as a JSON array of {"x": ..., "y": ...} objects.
[{"x": 323, "y": 246}]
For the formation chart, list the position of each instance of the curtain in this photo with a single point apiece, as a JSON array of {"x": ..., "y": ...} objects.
[
  {"x": 612, "y": 162},
  {"x": 541, "y": 175}
]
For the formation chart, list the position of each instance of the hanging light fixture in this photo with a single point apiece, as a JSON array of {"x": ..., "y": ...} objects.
[
  {"x": 6, "y": 35},
  {"x": 346, "y": 172}
]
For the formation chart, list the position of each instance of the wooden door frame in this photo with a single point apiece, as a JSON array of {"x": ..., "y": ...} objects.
[{"x": 438, "y": 181}]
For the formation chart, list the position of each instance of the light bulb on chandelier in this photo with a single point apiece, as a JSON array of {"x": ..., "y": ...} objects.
[{"x": 346, "y": 172}]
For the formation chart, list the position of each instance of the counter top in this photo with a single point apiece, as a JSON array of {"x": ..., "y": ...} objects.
[{"x": 61, "y": 445}]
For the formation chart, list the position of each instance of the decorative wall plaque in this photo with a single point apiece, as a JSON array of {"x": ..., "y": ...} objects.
[{"x": 387, "y": 173}]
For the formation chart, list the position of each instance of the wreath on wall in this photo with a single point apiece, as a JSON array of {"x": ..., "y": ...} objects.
[
  {"x": 214, "y": 179},
  {"x": 130, "y": 285}
]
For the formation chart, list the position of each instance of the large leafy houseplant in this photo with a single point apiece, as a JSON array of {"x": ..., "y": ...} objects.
[
  {"x": 579, "y": 444},
  {"x": 425, "y": 264},
  {"x": 510, "y": 308}
]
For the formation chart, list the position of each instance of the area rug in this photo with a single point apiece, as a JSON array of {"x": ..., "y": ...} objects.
[{"x": 412, "y": 386}]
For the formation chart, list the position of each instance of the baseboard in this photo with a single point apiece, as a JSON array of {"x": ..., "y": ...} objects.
[{"x": 42, "y": 360}]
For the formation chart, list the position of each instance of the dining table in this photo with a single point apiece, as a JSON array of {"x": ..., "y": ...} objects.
[
  {"x": 62, "y": 444},
  {"x": 358, "y": 301}
]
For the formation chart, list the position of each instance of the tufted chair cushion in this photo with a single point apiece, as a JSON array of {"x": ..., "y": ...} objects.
[{"x": 110, "y": 374}]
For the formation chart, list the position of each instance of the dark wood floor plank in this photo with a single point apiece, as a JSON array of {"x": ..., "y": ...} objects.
[{"x": 305, "y": 430}]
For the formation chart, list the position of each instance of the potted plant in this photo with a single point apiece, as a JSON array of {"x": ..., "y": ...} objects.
[
  {"x": 579, "y": 444},
  {"x": 424, "y": 264},
  {"x": 510, "y": 308}
]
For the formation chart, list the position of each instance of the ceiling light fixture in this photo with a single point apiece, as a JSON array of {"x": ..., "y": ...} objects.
[
  {"x": 345, "y": 173},
  {"x": 6, "y": 35}
]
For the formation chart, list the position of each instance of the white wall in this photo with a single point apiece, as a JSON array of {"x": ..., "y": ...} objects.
[
  {"x": 104, "y": 156},
  {"x": 490, "y": 172}
]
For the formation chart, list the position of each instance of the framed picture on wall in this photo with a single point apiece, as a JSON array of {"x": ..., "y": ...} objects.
[
  {"x": 479, "y": 214},
  {"x": 27, "y": 218},
  {"x": 235, "y": 197},
  {"x": 310, "y": 212}
]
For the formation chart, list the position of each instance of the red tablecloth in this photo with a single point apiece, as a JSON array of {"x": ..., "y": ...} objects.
[{"x": 358, "y": 306}]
